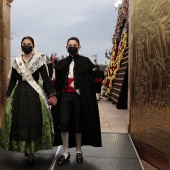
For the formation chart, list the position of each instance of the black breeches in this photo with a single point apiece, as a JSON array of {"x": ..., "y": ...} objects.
[
  {"x": 98, "y": 86},
  {"x": 70, "y": 112}
]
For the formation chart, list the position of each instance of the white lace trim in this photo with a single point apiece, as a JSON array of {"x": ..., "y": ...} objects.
[{"x": 35, "y": 63}]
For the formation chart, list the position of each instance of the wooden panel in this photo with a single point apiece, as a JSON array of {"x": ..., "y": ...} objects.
[
  {"x": 1, "y": 54},
  {"x": 4, "y": 49},
  {"x": 152, "y": 156}
]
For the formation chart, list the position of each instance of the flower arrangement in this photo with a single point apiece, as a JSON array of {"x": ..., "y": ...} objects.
[{"x": 120, "y": 42}]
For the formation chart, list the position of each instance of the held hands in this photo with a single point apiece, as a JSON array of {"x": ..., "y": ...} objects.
[
  {"x": 52, "y": 100},
  {"x": 7, "y": 99}
]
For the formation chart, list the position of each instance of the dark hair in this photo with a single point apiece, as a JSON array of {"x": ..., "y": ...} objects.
[
  {"x": 97, "y": 66},
  {"x": 51, "y": 56},
  {"x": 74, "y": 38},
  {"x": 28, "y": 37}
]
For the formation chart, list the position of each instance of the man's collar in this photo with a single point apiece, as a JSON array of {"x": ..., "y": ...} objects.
[{"x": 73, "y": 57}]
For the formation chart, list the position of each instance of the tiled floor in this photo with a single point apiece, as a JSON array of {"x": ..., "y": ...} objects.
[
  {"x": 112, "y": 119},
  {"x": 116, "y": 121}
]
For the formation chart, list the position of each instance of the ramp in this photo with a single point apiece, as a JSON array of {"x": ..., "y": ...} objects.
[{"x": 117, "y": 153}]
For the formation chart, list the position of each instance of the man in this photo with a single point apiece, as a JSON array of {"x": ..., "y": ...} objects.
[
  {"x": 51, "y": 69},
  {"x": 78, "y": 117},
  {"x": 98, "y": 78},
  {"x": 51, "y": 72}
]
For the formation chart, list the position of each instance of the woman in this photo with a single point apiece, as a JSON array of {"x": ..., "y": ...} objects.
[{"x": 26, "y": 125}]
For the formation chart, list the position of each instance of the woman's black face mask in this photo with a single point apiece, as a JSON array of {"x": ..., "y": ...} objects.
[{"x": 27, "y": 49}]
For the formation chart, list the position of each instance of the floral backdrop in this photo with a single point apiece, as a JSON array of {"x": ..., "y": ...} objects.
[{"x": 120, "y": 43}]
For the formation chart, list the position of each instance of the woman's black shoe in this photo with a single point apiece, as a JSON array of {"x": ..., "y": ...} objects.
[
  {"x": 26, "y": 154},
  {"x": 62, "y": 160},
  {"x": 30, "y": 159},
  {"x": 79, "y": 157}
]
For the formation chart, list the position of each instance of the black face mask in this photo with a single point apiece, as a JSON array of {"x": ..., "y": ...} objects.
[
  {"x": 72, "y": 50},
  {"x": 55, "y": 61},
  {"x": 27, "y": 49}
]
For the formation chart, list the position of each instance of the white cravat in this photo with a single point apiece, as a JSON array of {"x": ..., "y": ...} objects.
[
  {"x": 53, "y": 75},
  {"x": 71, "y": 75},
  {"x": 71, "y": 67}
]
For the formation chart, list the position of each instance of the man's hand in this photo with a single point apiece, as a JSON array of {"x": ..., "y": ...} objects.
[{"x": 53, "y": 100}]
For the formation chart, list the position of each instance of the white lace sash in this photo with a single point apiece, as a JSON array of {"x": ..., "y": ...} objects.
[{"x": 28, "y": 77}]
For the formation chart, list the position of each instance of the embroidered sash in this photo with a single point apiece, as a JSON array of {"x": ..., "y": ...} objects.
[{"x": 28, "y": 77}]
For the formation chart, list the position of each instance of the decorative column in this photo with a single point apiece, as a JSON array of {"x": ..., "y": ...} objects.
[{"x": 5, "y": 52}]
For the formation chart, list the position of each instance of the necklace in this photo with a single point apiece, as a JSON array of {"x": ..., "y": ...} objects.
[{"x": 27, "y": 62}]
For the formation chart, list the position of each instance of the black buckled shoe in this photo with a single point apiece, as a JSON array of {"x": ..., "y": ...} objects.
[
  {"x": 62, "y": 159},
  {"x": 79, "y": 157}
]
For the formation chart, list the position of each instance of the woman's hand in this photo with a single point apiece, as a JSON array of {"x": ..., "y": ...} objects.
[{"x": 7, "y": 99}]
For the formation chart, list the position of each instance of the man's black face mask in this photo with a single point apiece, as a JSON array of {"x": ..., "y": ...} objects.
[
  {"x": 55, "y": 61},
  {"x": 72, "y": 50}
]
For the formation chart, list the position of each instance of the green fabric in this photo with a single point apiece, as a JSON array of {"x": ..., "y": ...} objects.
[
  {"x": 46, "y": 141},
  {"x": 5, "y": 129}
]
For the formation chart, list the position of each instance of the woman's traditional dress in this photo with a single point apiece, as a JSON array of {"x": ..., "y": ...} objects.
[{"x": 26, "y": 124}]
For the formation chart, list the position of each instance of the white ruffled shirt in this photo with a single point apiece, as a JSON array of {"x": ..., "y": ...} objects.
[{"x": 71, "y": 75}]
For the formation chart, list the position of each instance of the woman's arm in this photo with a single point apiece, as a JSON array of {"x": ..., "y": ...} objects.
[
  {"x": 12, "y": 82},
  {"x": 46, "y": 80}
]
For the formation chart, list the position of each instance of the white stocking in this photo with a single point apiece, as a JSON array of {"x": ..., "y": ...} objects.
[
  {"x": 64, "y": 137},
  {"x": 97, "y": 96},
  {"x": 78, "y": 142}
]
